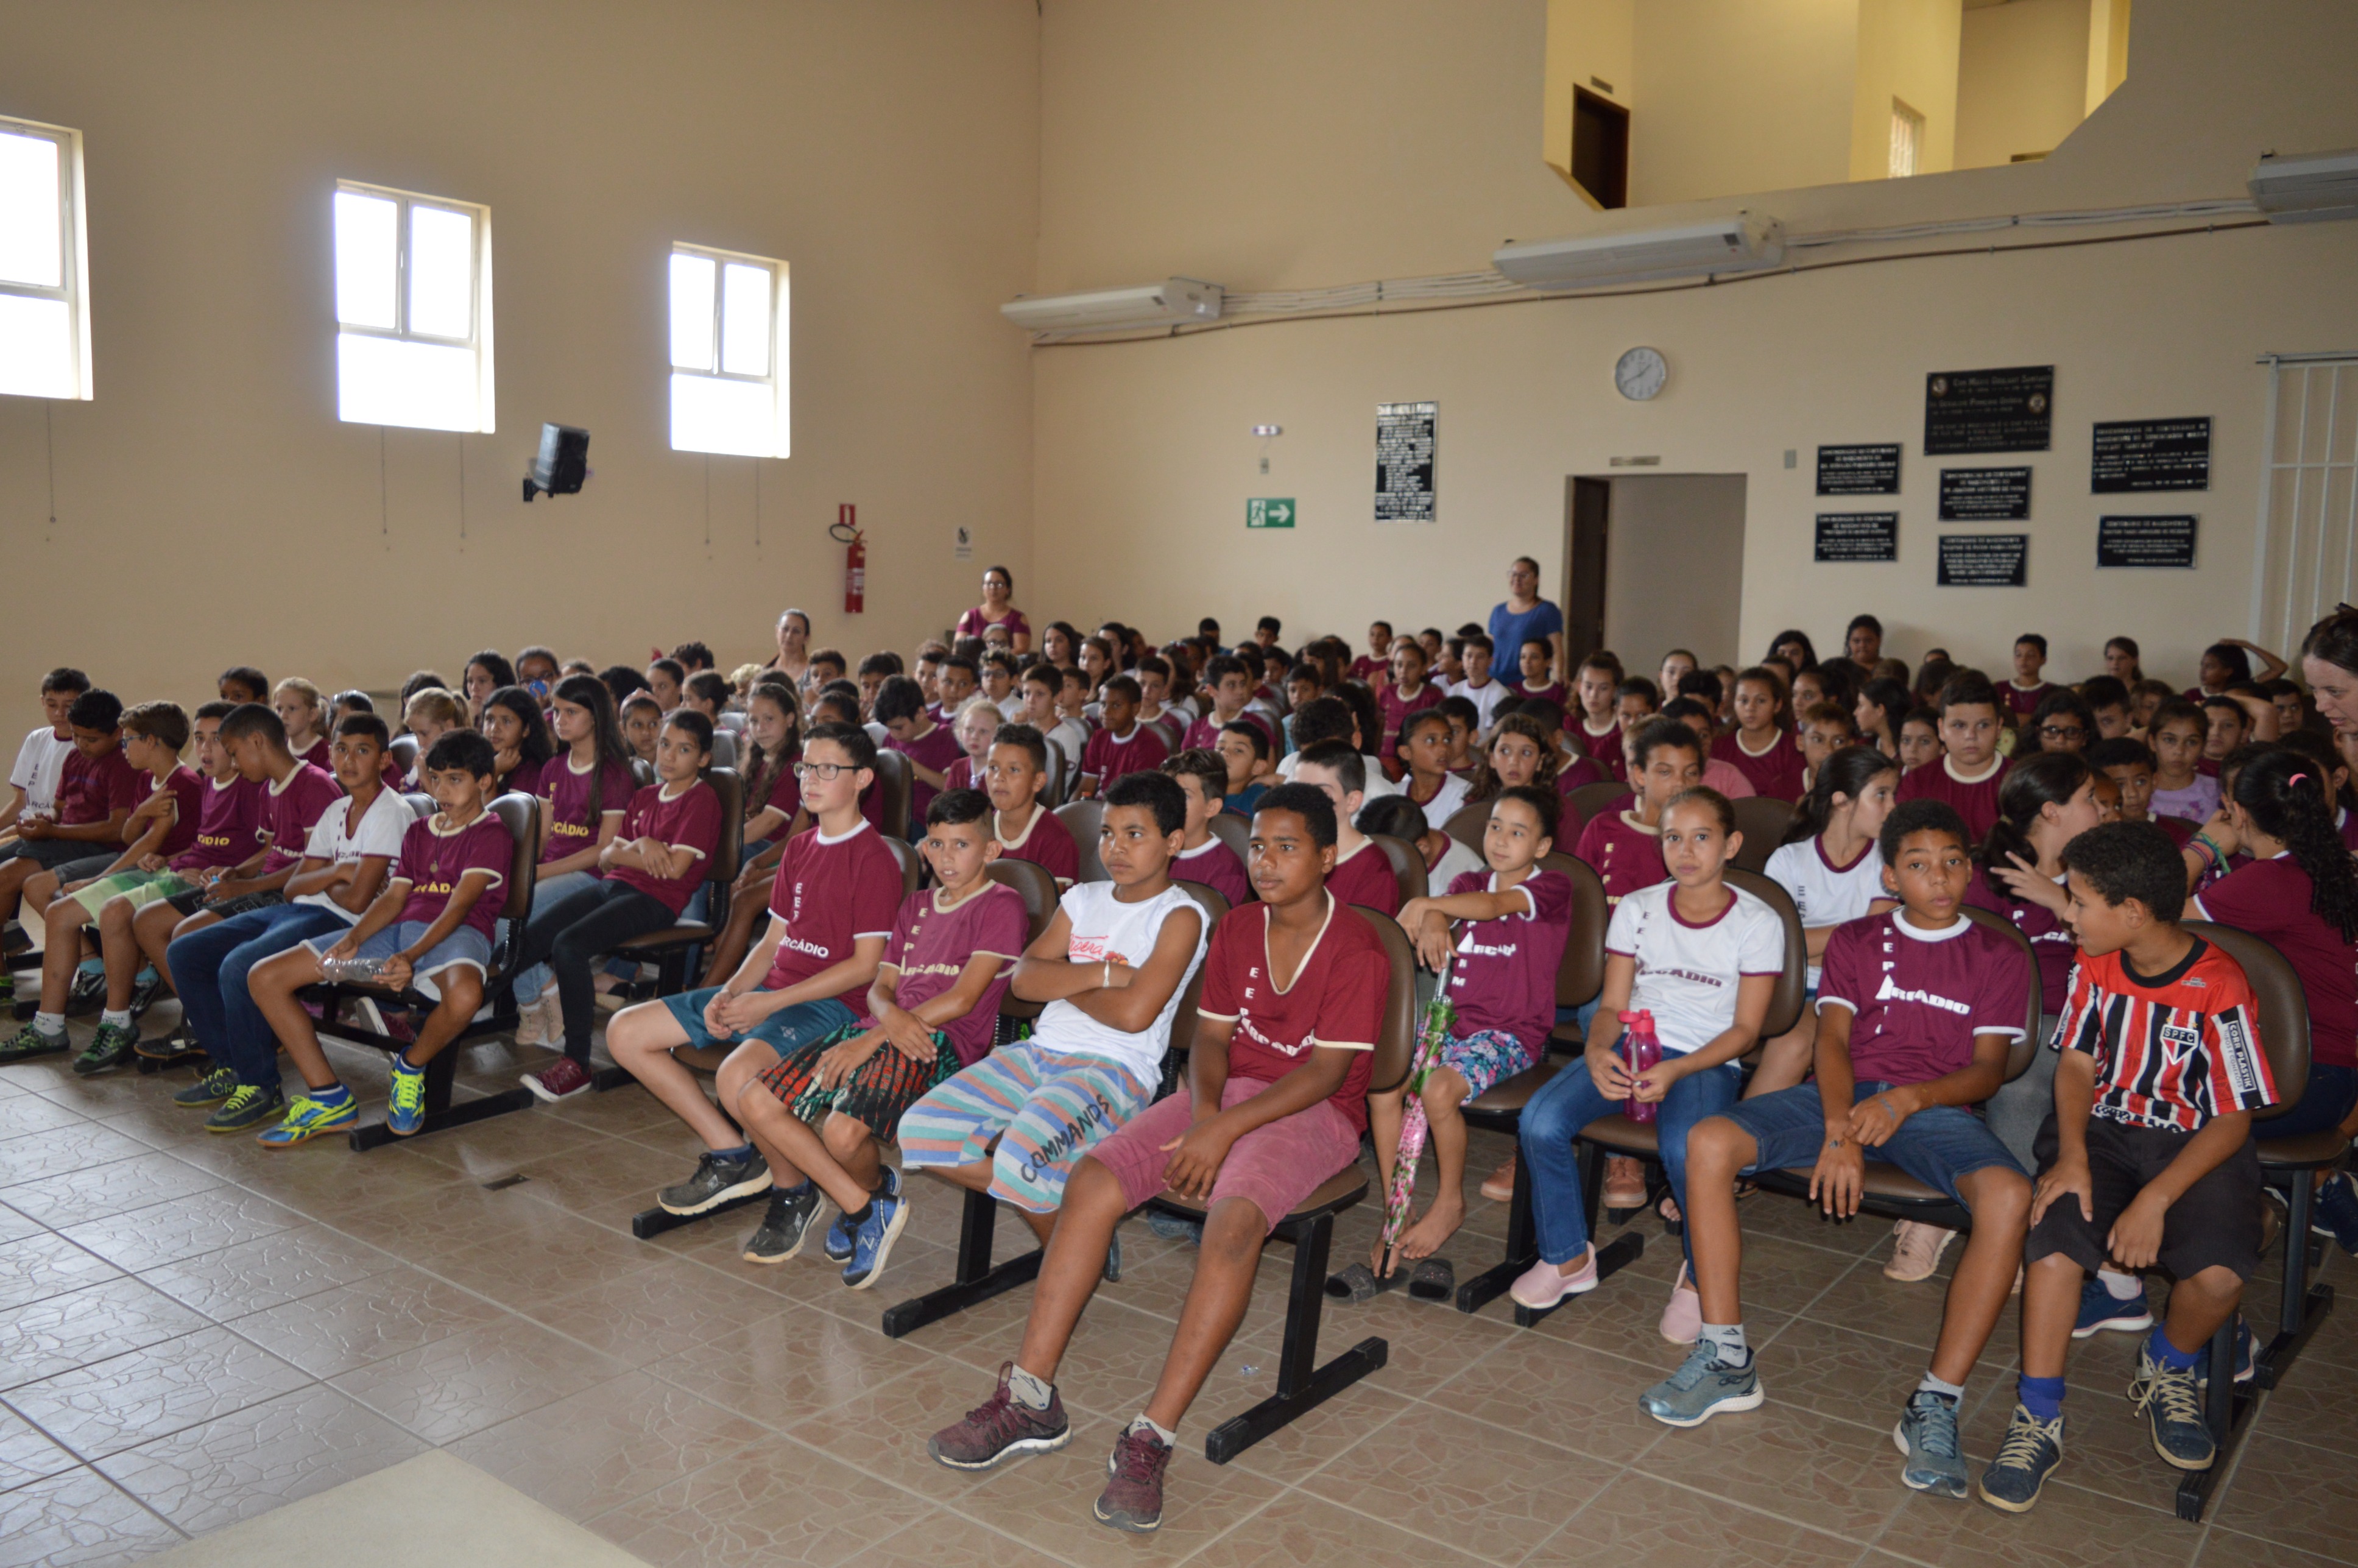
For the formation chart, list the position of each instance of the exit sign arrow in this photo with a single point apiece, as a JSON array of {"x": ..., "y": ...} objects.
[{"x": 1269, "y": 512}]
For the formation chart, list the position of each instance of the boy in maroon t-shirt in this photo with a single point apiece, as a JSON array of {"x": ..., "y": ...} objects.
[
  {"x": 1624, "y": 846},
  {"x": 1013, "y": 774},
  {"x": 1121, "y": 745},
  {"x": 1968, "y": 773},
  {"x": 96, "y": 791},
  {"x": 1205, "y": 857},
  {"x": 931, "y": 749},
  {"x": 1294, "y": 992},
  {"x": 1361, "y": 873}
]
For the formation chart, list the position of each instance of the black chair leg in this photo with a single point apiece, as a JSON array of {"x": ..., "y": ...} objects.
[
  {"x": 2228, "y": 1412},
  {"x": 1301, "y": 1385},
  {"x": 2303, "y": 1306},
  {"x": 441, "y": 1074},
  {"x": 976, "y": 1281},
  {"x": 1524, "y": 1247}
]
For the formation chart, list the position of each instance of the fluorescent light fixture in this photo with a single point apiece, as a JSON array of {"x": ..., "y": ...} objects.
[
  {"x": 2306, "y": 188},
  {"x": 1105, "y": 310},
  {"x": 1744, "y": 242}
]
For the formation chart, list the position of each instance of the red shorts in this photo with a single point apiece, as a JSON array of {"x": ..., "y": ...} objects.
[{"x": 1274, "y": 1167}]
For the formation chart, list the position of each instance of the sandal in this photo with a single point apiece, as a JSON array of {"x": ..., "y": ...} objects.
[
  {"x": 1433, "y": 1279},
  {"x": 1360, "y": 1285}
]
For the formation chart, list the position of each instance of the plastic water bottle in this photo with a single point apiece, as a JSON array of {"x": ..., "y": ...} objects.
[
  {"x": 350, "y": 971},
  {"x": 1640, "y": 1048}
]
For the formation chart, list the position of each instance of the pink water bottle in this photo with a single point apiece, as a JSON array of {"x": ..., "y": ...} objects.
[{"x": 1640, "y": 1048}]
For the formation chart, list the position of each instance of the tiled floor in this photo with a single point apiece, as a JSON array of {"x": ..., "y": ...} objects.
[{"x": 196, "y": 1330}]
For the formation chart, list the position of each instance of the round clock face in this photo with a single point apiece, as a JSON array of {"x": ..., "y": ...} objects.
[{"x": 1640, "y": 373}]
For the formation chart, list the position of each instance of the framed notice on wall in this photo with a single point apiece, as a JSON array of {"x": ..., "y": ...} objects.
[
  {"x": 1859, "y": 471},
  {"x": 2131, "y": 455},
  {"x": 1989, "y": 410},
  {"x": 1858, "y": 535},
  {"x": 1984, "y": 561},
  {"x": 1405, "y": 443},
  {"x": 2146, "y": 542},
  {"x": 1986, "y": 496}
]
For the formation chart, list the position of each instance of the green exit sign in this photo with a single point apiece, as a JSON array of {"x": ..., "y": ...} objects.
[{"x": 1269, "y": 512}]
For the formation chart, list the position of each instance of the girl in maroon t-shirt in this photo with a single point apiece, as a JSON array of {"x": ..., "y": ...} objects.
[
  {"x": 1761, "y": 747},
  {"x": 513, "y": 723}
]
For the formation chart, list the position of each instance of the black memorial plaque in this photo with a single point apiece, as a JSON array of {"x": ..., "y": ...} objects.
[
  {"x": 2146, "y": 541},
  {"x": 2131, "y": 455},
  {"x": 1984, "y": 561},
  {"x": 1404, "y": 461},
  {"x": 1858, "y": 535},
  {"x": 1859, "y": 471},
  {"x": 1989, "y": 410},
  {"x": 1986, "y": 496}
]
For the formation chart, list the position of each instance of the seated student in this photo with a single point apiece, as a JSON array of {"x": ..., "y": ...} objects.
[
  {"x": 1826, "y": 728},
  {"x": 1275, "y": 1105},
  {"x": 1723, "y": 778},
  {"x": 2228, "y": 663},
  {"x": 538, "y": 671},
  {"x": 706, "y": 692},
  {"x": 975, "y": 723},
  {"x": 2291, "y": 703},
  {"x": 1759, "y": 746},
  {"x": 2226, "y": 725},
  {"x": 1478, "y": 687},
  {"x": 830, "y": 911},
  {"x": 1635, "y": 700},
  {"x": 585, "y": 793},
  {"x": 2179, "y": 735},
  {"x": 930, "y": 747},
  {"x": 2145, "y": 698},
  {"x": 1920, "y": 740},
  {"x": 1232, "y": 693},
  {"x": 1831, "y": 867},
  {"x": 1678, "y": 663},
  {"x": 828, "y": 665},
  {"x": 1374, "y": 666},
  {"x": 1123, "y": 746},
  {"x": 1013, "y": 777},
  {"x": 1203, "y": 856},
  {"x": 1574, "y": 765},
  {"x": 303, "y": 712},
  {"x": 871, "y": 674},
  {"x": 426, "y": 715},
  {"x": 41, "y": 760},
  {"x": 666, "y": 681},
  {"x": 1154, "y": 677},
  {"x": 1524, "y": 750},
  {"x": 2108, "y": 708},
  {"x": 2147, "y": 1158},
  {"x": 1423, "y": 750},
  {"x": 958, "y": 680},
  {"x": 346, "y": 703},
  {"x": 648, "y": 870},
  {"x": 1967, "y": 775},
  {"x": 1243, "y": 750},
  {"x": 1623, "y": 847},
  {"x": 1304, "y": 680},
  {"x": 1466, "y": 728},
  {"x": 1112, "y": 966},
  {"x": 933, "y": 1010},
  {"x": 329, "y": 872},
  {"x": 2027, "y": 689},
  {"x": 642, "y": 718},
  {"x": 2062, "y": 722},
  {"x": 431, "y": 927},
  {"x": 1883, "y": 706},
  {"x": 1038, "y": 689},
  {"x": 1598, "y": 731},
  {"x": 244, "y": 683},
  {"x": 520, "y": 747},
  {"x": 1409, "y": 693},
  {"x": 96, "y": 789},
  {"x": 1702, "y": 957},
  {"x": 1511, "y": 918},
  {"x": 1395, "y": 817},
  {"x": 997, "y": 672},
  {"x": 1333, "y": 716},
  {"x": 1535, "y": 664},
  {"x": 1361, "y": 873},
  {"x": 1837, "y": 682},
  {"x": 1071, "y": 732},
  {"x": 1920, "y": 1009}
]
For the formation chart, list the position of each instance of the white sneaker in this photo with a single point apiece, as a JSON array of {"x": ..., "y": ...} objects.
[
  {"x": 552, "y": 1015},
  {"x": 1915, "y": 1251},
  {"x": 532, "y": 1023}
]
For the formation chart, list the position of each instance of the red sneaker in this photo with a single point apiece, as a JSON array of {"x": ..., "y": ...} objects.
[
  {"x": 998, "y": 1427},
  {"x": 562, "y": 1080},
  {"x": 1132, "y": 1499}
]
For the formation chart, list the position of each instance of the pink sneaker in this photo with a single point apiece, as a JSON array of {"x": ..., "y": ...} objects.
[
  {"x": 1915, "y": 1251},
  {"x": 1543, "y": 1285},
  {"x": 1682, "y": 1319}
]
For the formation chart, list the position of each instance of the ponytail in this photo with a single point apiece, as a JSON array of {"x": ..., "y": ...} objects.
[
  {"x": 2042, "y": 779},
  {"x": 1847, "y": 772},
  {"x": 2288, "y": 797}
]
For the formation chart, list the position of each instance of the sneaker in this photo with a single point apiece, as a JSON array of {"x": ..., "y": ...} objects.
[
  {"x": 1499, "y": 1186},
  {"x": 1927, "y": 1433},
  {"x": 307, "y": 1119},
  {"x": 717, "y": 1179},
  {"x": 89, "y": 993},
  {"x": 28, "y": 1043},
  {"x": 1543, "y": 1286},
  {"x": 1683, "y": 1317},
  {"x": 244, "y": 1106},
  {"x": 2165, "y": 1397},
  {"x": 2100, "y": 1310},
  {"x": 1701, "y": 1388},
  {"x": 110, "y": 1047},
  {"x": 2026, "y": 1458},
  {"x": 842, "y": 1236},
  {"x": 2244, "y": 1367},
  {"x": 1175, "y": 1227},
  {"x": 780, "y": 1235},
  {"x": 886, "y": 1215},
  {"x": 531, "y": 1024},
  {"x": 2336, "y": 1213},
  {"x": 211, "y": 1089},
  {"x": 145, "y": 987},
  {"x": 1000, "y": 1426},
  {"x": 1916, "y": 1253},
  {"x": 561, "y": 1079},
  {"x": 1625, "y": 1183},
  {"x": 404, "y": 1105},
  {"x": 1132, "y": 1499},
  {"x": 177, "y": 1046}
]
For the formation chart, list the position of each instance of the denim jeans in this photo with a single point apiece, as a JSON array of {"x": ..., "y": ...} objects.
[
  {"x": 2322, "y": 1105},
  {"x": 209, "y": 968},
  {"x": 1569, "y": 1102}
]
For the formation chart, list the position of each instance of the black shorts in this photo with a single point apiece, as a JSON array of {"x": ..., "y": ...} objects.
[
  {"x": 2216, "y": 1224},
  {"x": 50, "y": 854},
  {"x": 193, "y": 900}
]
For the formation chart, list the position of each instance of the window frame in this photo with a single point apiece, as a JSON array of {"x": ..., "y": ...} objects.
[
  {"x": 73, "y": 234},
  {"x": 777, "y": 379},
  {"x": 478, "y": 305}
]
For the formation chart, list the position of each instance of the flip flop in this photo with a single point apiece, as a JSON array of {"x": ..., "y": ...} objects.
[
  {"x": 1358, "y": 1284},
  {"x": 1433, "y": 1279}
]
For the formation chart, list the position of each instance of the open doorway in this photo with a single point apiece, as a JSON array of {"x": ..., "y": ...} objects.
[{"x": 1654, "y": 562}]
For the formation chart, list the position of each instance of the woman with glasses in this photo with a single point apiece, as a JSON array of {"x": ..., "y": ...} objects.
[{"x": 998, "y": 609}]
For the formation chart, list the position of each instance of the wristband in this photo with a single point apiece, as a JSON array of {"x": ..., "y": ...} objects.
[{"x": 1107, "y": 983}]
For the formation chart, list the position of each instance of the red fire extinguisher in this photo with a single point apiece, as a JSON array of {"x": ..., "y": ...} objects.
[{"x": 855, "y": 558}]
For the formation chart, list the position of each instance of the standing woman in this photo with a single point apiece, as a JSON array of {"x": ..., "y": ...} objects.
[
  {"x": 485, "y": 673},
  {"x": 998, "y": 609},
  {"x": 1525, "y": 617},
  {"x": 794, "y": 648}
]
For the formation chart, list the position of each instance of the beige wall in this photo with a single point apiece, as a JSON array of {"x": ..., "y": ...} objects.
[
  {"x": 1908, "y": 50},
  {"x": 1674, "y": 576},
  {"x": 1589, "y": 41},
  {"x": 210, "y": 508},
  {"x": 2022, "y": 79},
  {"x": 1740, "y": 96}
]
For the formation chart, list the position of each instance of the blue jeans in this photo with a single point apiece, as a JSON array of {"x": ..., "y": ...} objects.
[
  {"x": 2322, "y": 1105},
  {"x": 787, "y": 1030},
  {"x": 1569, "y": 1102},
  {"x": 209, "y": 969},
  {"x": 1937, "y": 1145}
]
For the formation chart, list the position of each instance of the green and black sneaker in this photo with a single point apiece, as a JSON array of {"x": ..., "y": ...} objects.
[
  {"x": 246, "y": 1109},
  {"x": 171, "y": 1049},
  {"x": 211, "y": 1089},
  {"x": 28, "y": 1043},
  {"x": 110, "y": 1047}
]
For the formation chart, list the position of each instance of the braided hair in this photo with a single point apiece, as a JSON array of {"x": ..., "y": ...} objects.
[{"x": 2288, "y": 798}]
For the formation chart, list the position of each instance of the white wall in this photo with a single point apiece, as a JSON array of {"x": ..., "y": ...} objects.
[
  {"x": 2022, "y": 79},
  {"x": 1908, "y": 50},
  {"x": 1674, "y": 568},
  {"x": 1740, "y": 96}
]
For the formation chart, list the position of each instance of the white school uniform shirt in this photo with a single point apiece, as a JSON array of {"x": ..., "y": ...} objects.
[
  {"x": 1823, "y": 893},
  {"x": 1446, "y": 800},
  {"x": 1011, "y": 707},
  {"x": 1378, "y": 785},
  {"x": 40, "y": 762},
  {"x": 1454, "y": 862},
  {"x": 1103, "y": 927},
  {"x": 1687, "y": 974},
  {"x": 337, "y": 840},
  {"x": 1485, "y": 698},
  {"x": 1071, "y": 736}
]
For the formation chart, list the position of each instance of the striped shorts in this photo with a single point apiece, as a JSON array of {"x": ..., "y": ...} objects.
[
  {"x": 1046, "y": 1108},
  {"x": 879, "y": 1092}
]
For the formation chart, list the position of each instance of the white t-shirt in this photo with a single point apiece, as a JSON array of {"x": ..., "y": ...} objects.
[
  {"x": 1485, "y": 698},
  {"x": 1455, "y": 861},
  {"x": 1825, "y": 893},
  {"x": 1687, "y": 975},
  {"x": 41, "y": 761},
  {"x": 1104, "y": 927},
  {"x": 1446, "y": 800},
  {"x": 1378, "y": 785},
  {"x": 336, "y": 839}
]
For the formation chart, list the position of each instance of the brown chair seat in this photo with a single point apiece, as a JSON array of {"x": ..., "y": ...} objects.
[
  {"x": 1509, "y": 1096},
  {"x": 2303, "y": 1150},
  {"x": 1623, "y": 1135},
  {"x": 686, "y": 933},
  {"x": 1339, "y": 1191}
]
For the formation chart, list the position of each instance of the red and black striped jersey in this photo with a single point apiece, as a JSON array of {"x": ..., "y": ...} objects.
[{"x": 2171, "y": 1051}]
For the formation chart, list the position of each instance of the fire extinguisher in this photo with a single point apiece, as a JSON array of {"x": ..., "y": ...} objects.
[{"x": 855, "y": 558}]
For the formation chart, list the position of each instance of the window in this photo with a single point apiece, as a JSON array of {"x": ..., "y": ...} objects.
[
  {"x": 413, "y": 310},
  {"x": 44, "y": 276},
  {"x": 727, "y": 353},
  {"x": 1907, "y": 140}
]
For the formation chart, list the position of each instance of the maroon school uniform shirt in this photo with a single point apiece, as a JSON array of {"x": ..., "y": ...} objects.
[
  {"x": 1335, "y": 1000},
  {"x": 688, "y": 820},
  {"x": 1624, "y": 854},
  {"x": 1776, "y": 773},
  {"x": 91, "y": 789},
  {"x": 1502, "y": 977},
  {"x": 1918, "y": 998},
  {"x": 1577, "y": 771},
  {"x": 937, "y": 749},
  {"x": 320, "y": 754},
  {"x": 2023, "y": 703},
  {"x": 526, "y": 779},
  {"x": 1367, "y": 877},
  {"x": 1111, "y": 759},
  {"x": 2051, "y": 940},
  {"x": 960, "y": 774},
  {"x": 1046, "y": 842},
  {"x": 293, "y": 804},
  {"x": 931, "y": 946},
  {"x": 829, "y": 893},
  {"x": 784, "y": 798},
  {"x": 1206, "y": 732},
  {"x": 1976, "y": 802},
  {"x": 1366, "y": 667},
  {"x": 1397, "y": 711},
  {"x": 572, "y": 826},
  {"x": 2270, "y": 899},
  {"x": 1217, "y": 868},
  {"x": 231, "y": 819},
  {"x": 434, "y": 855},
  {"x": 187, "y": 792}
]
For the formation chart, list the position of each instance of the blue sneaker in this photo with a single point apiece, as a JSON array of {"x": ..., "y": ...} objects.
[
  {"x": 2243, "y": 1355},
  {"x": 405, "y": 1111},
  {"x": 843, "y": 1236},
  {"x": 305, "y": 1119},
  {"x": 1927, "y": 1434},
  {"x": 887, "y": 1213},
  {"x": 2100, "y": 1310},
  {"x": 2336, "y": 1213},
  {"x": 2027, "y": 1456},
  {"x": 1701, "y": 1388}
]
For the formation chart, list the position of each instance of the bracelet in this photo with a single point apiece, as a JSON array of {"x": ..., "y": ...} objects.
[
  {"x": 2203, "y": 846},
  {"x": 1107, "y": 982}
]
